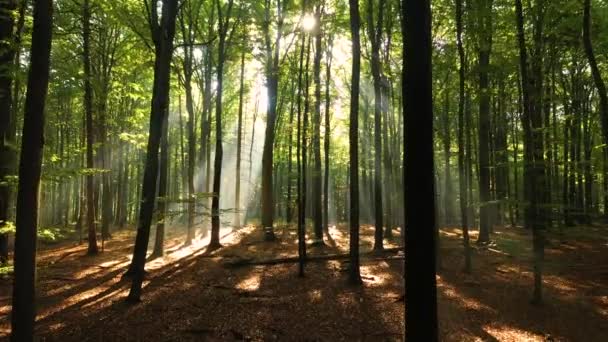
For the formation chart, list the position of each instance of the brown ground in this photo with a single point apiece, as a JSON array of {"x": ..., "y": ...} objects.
[{"x": 191, "y": 296}]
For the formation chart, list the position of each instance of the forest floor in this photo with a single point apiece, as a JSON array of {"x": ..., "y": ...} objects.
[{"x": 191, "y": 295}]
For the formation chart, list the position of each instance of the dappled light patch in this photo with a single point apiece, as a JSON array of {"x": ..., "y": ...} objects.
[
  {"x": 251, "y": 283},
  {"x": 506, "y": 333},
  {"x": 452, "y": 293},
  {"x": 315, "y": 295}
]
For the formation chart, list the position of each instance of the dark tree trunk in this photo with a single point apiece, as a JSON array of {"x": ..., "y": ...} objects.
[
  {"x": 88, "y": 104},
  {"x": 326, "y": 140},
  {"x": 420, "y": 247},
  {"x": 375, "y": 36},
  {"x": 316, "y": 137},
  {"x": 186, "y": 23},
  {"x": 159, "y": 238},
  {"x": 163, "y": 39},
  {"x": 354, "y": 274},
  {"x": 461, "y": 143},
  {"x": 23, "y": 301},
  {"x": 219, "y": 152},
  {"x": 485, "y": 49},
  {"x": 597, "y": 77},
  {"x": 272, "y": 77},
  {"x": 301, "y": 145},
  {"x": 8, "y": 154},
  {"x": 239, "y": 138},
  {"x": 533, "y": 145}
]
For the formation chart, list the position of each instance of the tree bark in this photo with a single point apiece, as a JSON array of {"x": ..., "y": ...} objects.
[
  {"x": 420, "y": 247},
  {"x": 464, "y": 200},
  {"x": 8, "y": 152},
  {"x": 595, "y": 72},
  {"x": 30, "y": 164},
  {"x": 485, "y": 49},
  {"x": 163, "y": 39},
  {"x": 354, "y": 274},
  {"x": 159, "y": 238},
  {"x": 239, "y": 138},
  {"x": 88, "y": 104},
  {"x": 316, "y": 136},
  {"x": 272, "y": 77}
]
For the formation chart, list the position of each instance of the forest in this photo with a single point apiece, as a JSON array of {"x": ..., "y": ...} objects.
[{"x": 303, "y": 170}]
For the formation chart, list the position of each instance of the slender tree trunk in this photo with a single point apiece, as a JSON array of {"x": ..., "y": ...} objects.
[
  {"x": 301, "y": 142},
  {"x": 461, "y": 143},
  {"x": 534, "y": 154},
  {"x": 239, "y": 138},
  {"x": 597, "y": 77},
  {"x": 163, "y": 38},
  {"x": 485, "y": 49},
  {"x": 354, "y": 274},
  {"x": 316, "y": 137},
  {"x": 272, "y": 76},
  {"x": 7, "y": 117},
  {"x": 375, "y": 36},
  {"x": 24, "y": 289},
  {"x": 88, "y": 104},
  {"x": 219, "y": 152},
  {"x": 326, "y": 140},
  {"x": 159, "y": 238}
]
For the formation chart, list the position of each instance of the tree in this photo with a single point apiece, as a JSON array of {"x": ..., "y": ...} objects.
[
  {"x": 162, "y": 35},
  {"x": 484, "y": 21},
  {"x": 272, "y": 71},
  {"x": 24, "y": 288},
  {"x": 8, "y": 152},
  {"x": 224, "y": 38},
  {"x": 419, "y": 182},
  {"x": 316, "y": 133},
  {"x": 534, "y": 163},
  {"x": 461, "y": 143},
  {"x": 159, "y": 238},
  {"x": 375, "y": 37},
  {"x": 595, "y": 72},
  {"x": 88, "y": 104},
  {"x": 188, "y": 18},
  {"x": 239, "y": 138},
  {"x": 354, "y": 274}
]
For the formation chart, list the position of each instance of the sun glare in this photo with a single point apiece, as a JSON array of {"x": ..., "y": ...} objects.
[{"x": 309, "y": 22}]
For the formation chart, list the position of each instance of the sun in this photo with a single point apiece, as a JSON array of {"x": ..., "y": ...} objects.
[{"x": 309, "y": 22}]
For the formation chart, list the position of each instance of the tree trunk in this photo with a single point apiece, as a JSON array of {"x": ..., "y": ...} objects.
[
  {"x": 461, "y": 143},
  {"x": 485, "y": 49},
  {"x": 272, "y": 77},
  {"x": 163, "y": 38},
  {"x": 159, "y": 238},
  {"x": 326, "y": 140},
  {"x": 239, "y": 138},
  {"x": 533, "y": 154},
  {"x": 375, "y": 36},
  {"x": 316, "y": 137},
  {"x": 420, "y": 247},
  {"x": 88, "y": 104},
  {"x": 219, "y": 152},
  {"x": 354, "y": 274},
  {"x": 597, "y": 77},
  {"x": 8, "y": 153},
  {"x": 23, "y": 300}
]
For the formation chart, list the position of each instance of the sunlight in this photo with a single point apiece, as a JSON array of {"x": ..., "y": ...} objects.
[
  {"x": 452, "y": 293},
  {"x": 309, "y": 22},
  {"x": 251, "y": 283},
  {"x": 505, "y": 333}
]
